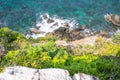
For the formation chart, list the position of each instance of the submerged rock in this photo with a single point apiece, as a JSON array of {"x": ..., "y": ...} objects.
[{"x": 25, "y": 73}]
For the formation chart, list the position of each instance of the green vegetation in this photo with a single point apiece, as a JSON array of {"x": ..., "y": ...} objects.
[
  {"x": 101, "y": 60},
  {"x": 116, "y": 38}
]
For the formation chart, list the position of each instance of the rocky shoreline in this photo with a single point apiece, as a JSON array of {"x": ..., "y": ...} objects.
[{"x": 70, "y": 30}]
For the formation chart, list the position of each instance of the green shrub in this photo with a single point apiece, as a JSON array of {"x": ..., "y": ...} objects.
[
  {"x": 116, "y": 38},
  {"x": 7, "y": 37}
]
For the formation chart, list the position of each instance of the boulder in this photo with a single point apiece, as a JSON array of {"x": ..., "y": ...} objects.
[
  {"x": 66, "y": 25},
  {"x": 82, "y": 76},
  {"x": 50, "y": 20},
  {"x": 55, "y": 24},
  {"x": 45, "y": 16},
  {"x": 113, "y": 18},
  {"x": 24, "y": 73},
  {"x": 34, "y": 30}
]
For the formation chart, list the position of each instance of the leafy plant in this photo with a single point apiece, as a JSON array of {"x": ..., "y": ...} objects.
[{"x": 116, "y": 38}]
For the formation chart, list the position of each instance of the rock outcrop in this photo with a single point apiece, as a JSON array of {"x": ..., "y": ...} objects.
[
  {"x": 113, "y": 18},
  {"x": 72, "y": 35},
  {"x": 24, "y": 73},
  {"x": 66, "y": 33},
  {"x": 74, "y": 44}
]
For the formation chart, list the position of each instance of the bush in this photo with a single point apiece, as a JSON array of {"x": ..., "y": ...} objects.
[
  {"x": 116, "y": 38},
  {"x": 7, "y": 37}
]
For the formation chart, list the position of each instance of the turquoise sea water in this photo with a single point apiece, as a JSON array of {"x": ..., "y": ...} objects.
[{"x": 20, "y": 15}]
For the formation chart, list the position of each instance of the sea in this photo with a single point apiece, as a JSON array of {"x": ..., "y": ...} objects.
[{"x": 21, "y": 15}]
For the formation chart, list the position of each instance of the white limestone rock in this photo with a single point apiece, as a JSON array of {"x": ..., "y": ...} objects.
[
  {"x": 24, "y": 73},
  {"x": 82, "y": 76}
]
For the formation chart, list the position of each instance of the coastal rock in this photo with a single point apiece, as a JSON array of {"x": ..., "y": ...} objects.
[
  {"x": 2, "y": 51},
  {"x": 25, "y": 73},
  {"x": 85, "y": 41},
  {"x": 83, "y": 27},
  {"x": 72, "y": 45},
  {"x": 47, "y": 24},
  {"x": 104, "y": 34},
  {"x": 34, "y": 30},
  {"x": 62, "y": 28},
  {"x": 66, "y": 33},
  {"x": 50, "y": 20},
  {"x": 60, "y": 43},
  {"x": 66, "y": 25},
  {"x": 113, "y": 18},
  {"x": 82, "y": 76}
]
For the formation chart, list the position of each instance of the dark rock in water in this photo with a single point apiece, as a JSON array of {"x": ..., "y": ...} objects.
[
  {"x": 45, "y": 16},
  {"x": 38, "y": 27},
  {"x": 50, "y": 20},
  {"x": 56, "y": 24},
  {"x": 66, "y": 25},
  {"x": 34, "y": 30},
  {"x": 61, "y": 30},
  {"x": 2, "y": 51},
  {"x": 81, "y": 28}
]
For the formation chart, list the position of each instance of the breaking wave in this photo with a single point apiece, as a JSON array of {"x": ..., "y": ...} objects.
[{"x": 46, "y": 23}]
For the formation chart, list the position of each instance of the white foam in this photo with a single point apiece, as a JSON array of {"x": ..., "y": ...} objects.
[{"x": 46, "y": 27}]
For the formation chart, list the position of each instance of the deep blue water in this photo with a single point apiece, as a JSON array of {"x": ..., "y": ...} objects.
[{"x": 20, "y": 15}]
